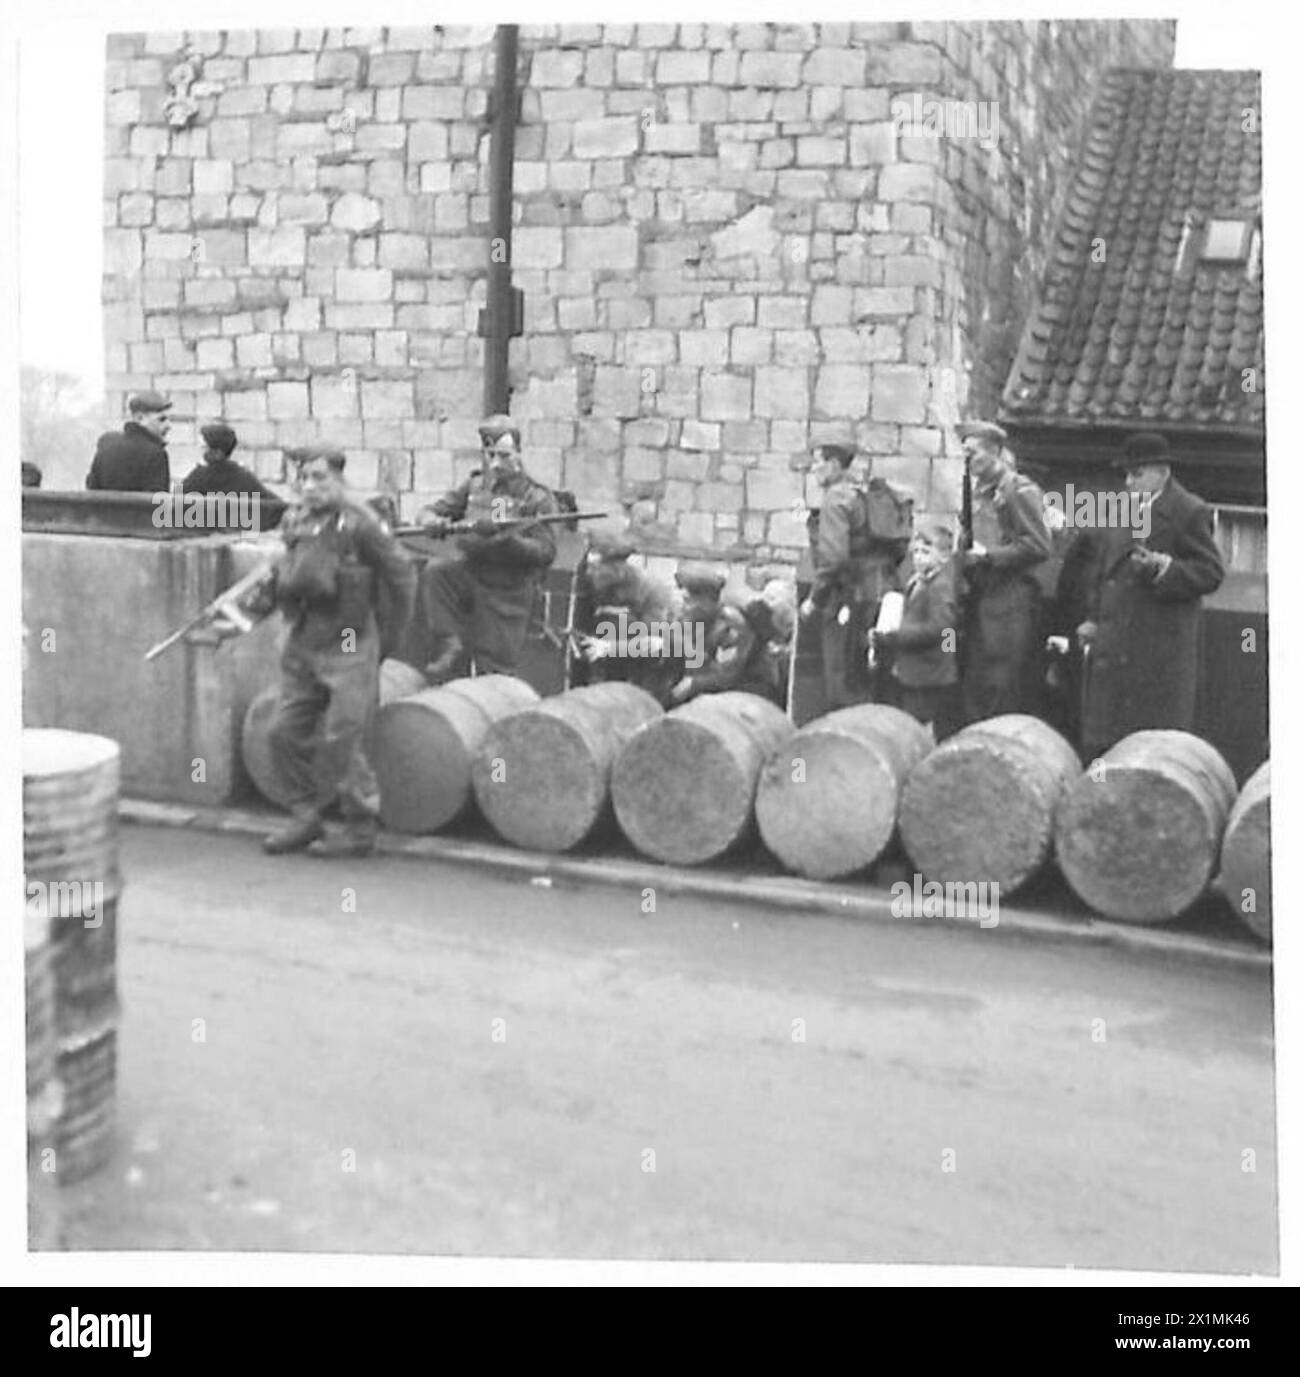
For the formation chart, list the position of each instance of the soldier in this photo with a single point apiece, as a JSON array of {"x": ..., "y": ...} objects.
[
  {"x": 134, "y": 459},
  {"x": 624, "y": 602},
  {"x": 327, "y": 585},
  {"x": 1143, "y": 599},
  {"x": 1001, "y": 614},
  {"x": 727, "y": 652},
  {"x": 476, "y": 605},
  {"x": 219, "y": 474},
  {"x": 855, "y": 561}
]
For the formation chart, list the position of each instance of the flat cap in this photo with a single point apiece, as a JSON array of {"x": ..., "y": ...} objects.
[
  {"x": 1143, "y": 448},
  {"x": 306, "y": 454},
  {"x": 699, "y": 578},
  {"x": 149, "y": 402},
  {"x": 219, "y": 437},
  {"x": 981, "y": 430}
]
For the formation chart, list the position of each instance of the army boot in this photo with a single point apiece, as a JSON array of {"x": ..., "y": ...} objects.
[
  {"x": 355, "y": 840},
  {"x": 439, "y": 669},
  {"x": 304, "y": 828}
]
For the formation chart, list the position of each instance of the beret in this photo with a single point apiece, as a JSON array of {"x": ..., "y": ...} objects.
[
  {"x": 1143, "y": 448},
  {"x": 149, "y": 401},
  {"x": 981, "y": 430},
  {"x": 219, "y": 437},
  {"x": 611, "y": 547},
  {"x": 699, "y": 578}
]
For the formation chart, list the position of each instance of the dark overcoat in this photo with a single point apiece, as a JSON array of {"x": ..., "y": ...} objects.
[
  {"x": 1143, "y": 666},
  {"x": 130, "y": 460}
]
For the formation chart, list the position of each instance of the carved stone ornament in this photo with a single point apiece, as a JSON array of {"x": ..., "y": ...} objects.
[{"x": 180, "y": 107}]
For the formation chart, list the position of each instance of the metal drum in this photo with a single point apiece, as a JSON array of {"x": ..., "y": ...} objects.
[
  {"x": 71, "y": 878},
  {"x": 44, "y": 1092}
]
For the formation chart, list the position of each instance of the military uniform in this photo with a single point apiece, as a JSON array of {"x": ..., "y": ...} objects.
[
  {"x": 730, "y": 652},
  {"x": 852, "y": 569},
  {"x": 1001, "y": 623},
  {"x": 617, "y": 589},
  {"x": 327, "y": 586},
  {"x": 484, "y": 596}
]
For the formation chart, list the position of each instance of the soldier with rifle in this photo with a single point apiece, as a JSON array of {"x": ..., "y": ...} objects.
[
  {"x": 475, "y": 605},
  {"x": 338, "y": 559},
  {"x": 1004, "y": 536}
]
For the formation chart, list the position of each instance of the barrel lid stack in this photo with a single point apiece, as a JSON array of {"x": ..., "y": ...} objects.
[{"x": 70, "y": 796}]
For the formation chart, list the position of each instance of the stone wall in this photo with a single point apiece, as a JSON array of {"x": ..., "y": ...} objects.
[{"x": 731, "y": 243}]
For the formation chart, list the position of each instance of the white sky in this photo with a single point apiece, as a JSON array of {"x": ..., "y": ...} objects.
[{"x": 60, "y": 110}]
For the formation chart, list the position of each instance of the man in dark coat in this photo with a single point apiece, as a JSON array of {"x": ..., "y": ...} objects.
[
  {"x": 723, "y": 650},
  {"x": 134, "y": 459},
  {"x": 1144, "y": 604},
  {"x": 1002, "y": 611},
  {"x": 476, "y": 604},
  {"x": 220, "y": 475}
]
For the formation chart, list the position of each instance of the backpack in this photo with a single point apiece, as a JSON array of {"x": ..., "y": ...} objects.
[{"x": 889, "y": 510}]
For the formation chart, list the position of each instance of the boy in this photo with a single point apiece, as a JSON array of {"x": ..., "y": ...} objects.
[{"x": 925, "y": 643}]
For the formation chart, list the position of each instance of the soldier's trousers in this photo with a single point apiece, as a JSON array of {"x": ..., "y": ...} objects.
[
  {"x": 327, "y": 702},
  {"x": 491, "y": 620},
  {"x": 1002, "y": 665},
  {"x": 844, "y": 653}
]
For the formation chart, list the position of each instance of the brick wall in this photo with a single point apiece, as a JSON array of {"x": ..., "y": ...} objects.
[{"x": 729, "y": 244}]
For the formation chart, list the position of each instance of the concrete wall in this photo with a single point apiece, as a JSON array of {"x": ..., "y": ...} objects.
[
  {"x": 92, "y": 606},
  {"x": 731, "y": 246}
]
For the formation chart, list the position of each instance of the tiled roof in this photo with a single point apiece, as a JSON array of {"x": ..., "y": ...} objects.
[{"x": 1153, "y": 335}]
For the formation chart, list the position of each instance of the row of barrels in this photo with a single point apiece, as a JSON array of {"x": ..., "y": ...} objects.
[{"x": 1138, "y": 835}]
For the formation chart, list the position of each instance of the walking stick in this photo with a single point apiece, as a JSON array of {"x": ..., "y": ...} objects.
[{"x": 794, "y": 662}]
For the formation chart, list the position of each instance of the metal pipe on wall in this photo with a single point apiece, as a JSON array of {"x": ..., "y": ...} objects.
[{"x": 502, "y": 317}]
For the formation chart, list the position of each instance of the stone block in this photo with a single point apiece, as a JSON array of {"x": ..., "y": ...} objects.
[
  {"x": 557, "y": 68},
  {"x": 907, "y": 182},
  {"x": 898, "y": 393},
  {"x": 387, "y": 399},
  {"x": 721, "y": 312},
  {"x": 282, "y": 247},
  {"x": 334, "y": 396},
  {"x": 841, "y": 66},
  {"x": 614, "y": 248},
  {"x": 284, "y": 68},
  {"x": 617, "y": 392},
  {"x": 725, "y": 396},
  {"x": 606, "y": 138},
  {"x": 843, "y": 391},
  {"x": 770, "y": 69},
  {"x": 287, "y": 401},
  {"x": 781, "y": 393}
]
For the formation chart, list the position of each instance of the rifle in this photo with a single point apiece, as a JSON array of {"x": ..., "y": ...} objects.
[
  {"x": 967, "y": 509},
  {"x": 224, "y": 604},
  {"x": 505, "y": 524}
]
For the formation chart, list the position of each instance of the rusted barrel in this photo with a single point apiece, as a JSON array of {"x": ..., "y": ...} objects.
[
  {"x": 541, "y": 777},
  {"x": 1245, "y": 872},
  {"x": 683, "y": 786},
  {"x": 70, "y": 864},
  {"x": 425, "y": 746},
  {"x": 828, "y": 799},
  {"x": 982, "y": 805},
  {"x": 44, "y": 1093},
  {"x": 397, "y": 680},
  {"x": 1137, "y": 834}
]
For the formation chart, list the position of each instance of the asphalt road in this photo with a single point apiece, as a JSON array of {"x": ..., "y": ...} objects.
[{"x": 467, "y": 1064}]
